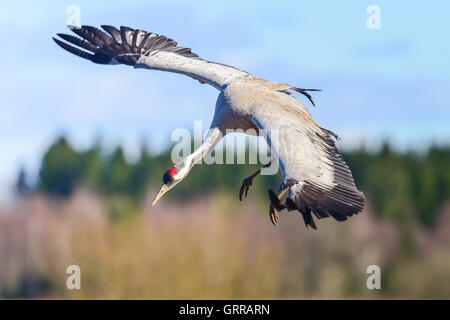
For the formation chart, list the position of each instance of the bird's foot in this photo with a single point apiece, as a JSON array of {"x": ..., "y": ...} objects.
[
  {"x": 275, "y": 204},
  {"x": 273, "y": 214},
  {"x": 246, "y": 183}
]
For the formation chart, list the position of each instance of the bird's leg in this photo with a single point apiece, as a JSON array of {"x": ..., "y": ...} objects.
[
  {"x": 247, "y": 182},
  {"x": 275, "y": 204}
]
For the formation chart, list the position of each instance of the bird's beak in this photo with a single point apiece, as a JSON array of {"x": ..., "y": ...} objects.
[{"x": 161, "y": 192}]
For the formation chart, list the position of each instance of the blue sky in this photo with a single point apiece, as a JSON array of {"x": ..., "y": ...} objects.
[{"x": 390, "y": 83}]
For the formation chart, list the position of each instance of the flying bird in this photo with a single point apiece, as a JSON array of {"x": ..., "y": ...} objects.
[{"x": 316, "y": 180}]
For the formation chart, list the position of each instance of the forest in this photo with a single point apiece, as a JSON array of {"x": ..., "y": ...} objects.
[
  {"x": 400, "y": 185},
  {"x": 92, "y": 208}
]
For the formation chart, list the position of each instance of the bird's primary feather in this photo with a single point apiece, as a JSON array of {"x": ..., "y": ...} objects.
[{"x": 142, "y": 49}]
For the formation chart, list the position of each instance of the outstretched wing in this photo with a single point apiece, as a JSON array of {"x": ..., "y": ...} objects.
[
  {"x": 319, "y": 179},
  {"x": 144, "y": 50}
]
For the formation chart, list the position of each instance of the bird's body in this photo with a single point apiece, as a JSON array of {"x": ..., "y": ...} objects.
[{"x": 315, "y": 177}]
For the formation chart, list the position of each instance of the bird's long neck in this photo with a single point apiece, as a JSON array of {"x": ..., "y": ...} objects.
[{"x": 213, "y": 137}]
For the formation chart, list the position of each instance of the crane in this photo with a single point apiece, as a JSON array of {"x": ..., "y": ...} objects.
[{"x": 316, "y": 180}]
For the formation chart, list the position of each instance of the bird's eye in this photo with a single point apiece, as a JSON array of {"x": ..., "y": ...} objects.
[{"x": 169, "y": 175}]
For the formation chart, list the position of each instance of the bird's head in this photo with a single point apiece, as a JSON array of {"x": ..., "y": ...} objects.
[{"x": 170, "y": 178}]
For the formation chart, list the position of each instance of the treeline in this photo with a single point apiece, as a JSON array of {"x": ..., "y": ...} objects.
[
  {"x": 63, "y": 169},
  {"x": 399, "y": 185}
]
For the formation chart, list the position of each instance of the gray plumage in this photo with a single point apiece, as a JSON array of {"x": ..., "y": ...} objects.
[{"x": 320, "y": 181}]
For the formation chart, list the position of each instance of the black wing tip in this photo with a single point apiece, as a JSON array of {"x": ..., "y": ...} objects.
[
  {"x": 74, "y": 50},
  {"x": 86, "y": 45},
  {"x": 59, "y": 42},
  {"x": 107, "y": 26},
  {"x": 121, "y": 45},
  {"x": 307, "y": 218},
  {"x": 312, "y": 224},
  {"x": 306, "y": 94},
  {"x": 309, "y": 98},
  {"x": 312, "y": 89},
  {"x": 127, "y": 28}
]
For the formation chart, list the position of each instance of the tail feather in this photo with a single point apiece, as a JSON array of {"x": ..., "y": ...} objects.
[
  {"x": 304, "y": 210},
  {"x": 309, "y": 220}
]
